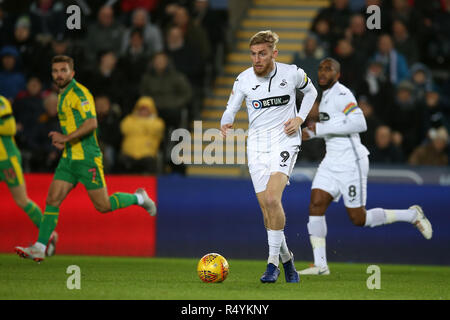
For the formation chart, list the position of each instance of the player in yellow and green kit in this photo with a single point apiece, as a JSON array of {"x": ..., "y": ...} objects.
[
  {"x": 81, "y": 161},
  {"x": 11, "y": 170}
]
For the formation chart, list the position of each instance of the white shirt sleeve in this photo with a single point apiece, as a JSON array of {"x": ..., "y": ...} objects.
[
  {"x": 351, "y": 119},
  {"x": 233, "y": 105},
  {"x": 310, "y": 95}
]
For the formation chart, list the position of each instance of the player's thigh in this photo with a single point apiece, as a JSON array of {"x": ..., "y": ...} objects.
[
  {"x": 58, "y": 191},
  {"x": 11, "y": 171},
  {"x": 100, "y": 199},
  {"x": 259, "y": 170},
  {"x": 326, "y": 181},
  {"x": 319, "y": 202},
  {"x": 275, "y": 186},
  {"x": 90, "y": 173}
]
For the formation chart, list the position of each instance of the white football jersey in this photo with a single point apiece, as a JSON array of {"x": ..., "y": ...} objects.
[
  {"x": 270, "y": 102},
  {"x": 341, "y": 120}
]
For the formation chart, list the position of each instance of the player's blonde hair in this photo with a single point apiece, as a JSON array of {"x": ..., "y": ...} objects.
[
  {"x": 63, "y": 58},
  {"x": 266, "y": 36}
]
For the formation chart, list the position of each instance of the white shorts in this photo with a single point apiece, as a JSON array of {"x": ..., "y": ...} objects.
[
  {"x": 350, "y": 182},
  {"x": 262, "y": 164}
]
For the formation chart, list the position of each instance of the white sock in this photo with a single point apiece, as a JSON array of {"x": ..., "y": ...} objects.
[
  {"x": 140, "y": 199},
  {"x": 378, "y": 216},
  {"x": 317, "y": 228},
  {"x": 285, "y": 254},
  {"x": 40, "y": 246},
  {"x": 274, "y": 238},
  {"x": 408, "y": 215},
  {"x": 375, "y": 217},
  {"x": 319, "y": 251}
]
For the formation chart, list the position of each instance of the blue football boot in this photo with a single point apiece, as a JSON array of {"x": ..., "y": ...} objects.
[
  {"x": 290, "y": 273},
  {"x": 271, "y": 274}
]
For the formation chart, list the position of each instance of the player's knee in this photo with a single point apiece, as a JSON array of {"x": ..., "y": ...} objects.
[
  {"x": 270, "y": 201},
  {"x": 53, "y": 201},
  {"x": 21, "y": 202},
  {"x": 316, "y": 207},
  {"x": 358, "y": 220},
  {"x": 103, "y": 208}
]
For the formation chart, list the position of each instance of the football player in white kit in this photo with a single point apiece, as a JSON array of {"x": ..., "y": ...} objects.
[
  {"x": 343, "y": 171},
  {"x": 274, "y": 138}
]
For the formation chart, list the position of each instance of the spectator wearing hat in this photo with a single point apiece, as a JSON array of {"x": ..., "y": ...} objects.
[
  {"x": 142, "y": 132},
  {"x": 11, "y": 79},
  {"x": 434, "y": 152},
  {"x": 422, "y": 80},
  {"x": 28, "y": 48},
  {"x": 436, "y": 108}
]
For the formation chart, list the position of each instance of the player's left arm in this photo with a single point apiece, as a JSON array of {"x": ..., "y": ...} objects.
[
  {"x": 352, "y": 119},
  {"x": 310, "y": 93}
]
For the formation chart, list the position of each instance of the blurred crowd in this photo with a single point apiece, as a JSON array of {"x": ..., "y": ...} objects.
[
  {"x": 150, "y": 63},
  {"x": 400, "y": 75}
]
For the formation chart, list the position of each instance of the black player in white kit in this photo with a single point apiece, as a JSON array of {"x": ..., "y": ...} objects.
[
  {"x": 344, "y": 169},
  {"x": 274, "y": 139}
]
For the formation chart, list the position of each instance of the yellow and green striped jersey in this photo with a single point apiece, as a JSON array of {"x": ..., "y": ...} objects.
[
  {"x": 8, "y": 147},
  {"x": 75, "y": 105}
]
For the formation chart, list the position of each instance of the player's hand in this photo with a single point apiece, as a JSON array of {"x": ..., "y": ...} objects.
[
  {"x": 57, "y": 137},
  {"x": 224, "y": 129},
  {"x": 292, "y": 125},
  {"x": 59, "y": 146}
]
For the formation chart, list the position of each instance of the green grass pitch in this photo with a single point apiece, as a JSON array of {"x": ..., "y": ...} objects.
[{"x": 176, "y": 279}]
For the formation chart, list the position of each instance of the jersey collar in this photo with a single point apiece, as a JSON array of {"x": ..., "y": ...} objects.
[{"x": 326, "y": 92}]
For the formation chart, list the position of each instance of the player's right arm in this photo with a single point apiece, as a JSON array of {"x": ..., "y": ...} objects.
[
  {"x": 351, "y": 119},
  {"x": 86, "y": 107},
  {"x": 233, "y": 106}
]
